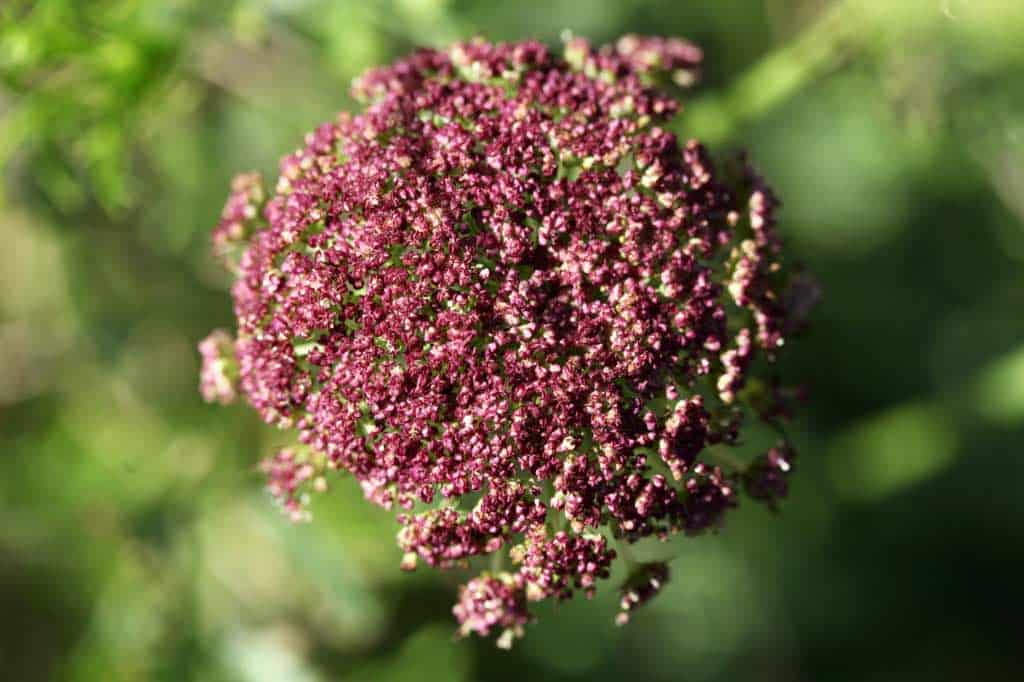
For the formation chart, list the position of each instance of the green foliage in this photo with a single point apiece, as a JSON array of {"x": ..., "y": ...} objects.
[{"x": 135, "y": 541}]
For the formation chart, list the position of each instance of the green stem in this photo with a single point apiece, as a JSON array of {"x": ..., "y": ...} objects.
[
  {"x": 497, "y": 561},
  {"x": 623, "y": 550}
]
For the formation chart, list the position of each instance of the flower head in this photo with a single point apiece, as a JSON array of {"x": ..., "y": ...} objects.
[
  {"x": 642, "y": 586},
  {"x": 507, "y": 300},
  {"x": 490, "y": 603},
  {"x": 217, "y": 380},
  {"x": 767, "y": 477}
]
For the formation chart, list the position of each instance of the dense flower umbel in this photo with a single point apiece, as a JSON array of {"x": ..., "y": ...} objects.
[{"x": 507, "y": 300}]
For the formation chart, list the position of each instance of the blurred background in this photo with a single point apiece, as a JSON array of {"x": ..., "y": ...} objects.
[{"x": 136, "y": 541}]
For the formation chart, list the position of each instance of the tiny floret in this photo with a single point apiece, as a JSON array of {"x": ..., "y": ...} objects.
[
  {"x": 646, "y": 581},
  {"x": 218, "y": 374}
]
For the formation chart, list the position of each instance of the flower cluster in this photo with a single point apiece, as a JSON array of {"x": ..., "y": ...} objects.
[
  {"x": 508, "y": 301},
  {"x": 493, "y": 602},
  {"x": 642, "y": 586},
  {"x": 216, "y": 376}
]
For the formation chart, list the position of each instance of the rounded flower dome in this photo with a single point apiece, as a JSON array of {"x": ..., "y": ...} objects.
[{"x": 512, "y": 304}]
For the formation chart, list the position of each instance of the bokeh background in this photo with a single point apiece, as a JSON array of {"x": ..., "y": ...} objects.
[{"x": 136, "y": 542}]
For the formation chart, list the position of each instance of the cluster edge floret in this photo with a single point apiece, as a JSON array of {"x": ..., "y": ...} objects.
[{"x": 509, "y": 302}]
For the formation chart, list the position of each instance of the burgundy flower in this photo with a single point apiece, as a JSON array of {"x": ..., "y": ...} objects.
[
  {"x": 217, "y": 375},
  {"x": 507, "y": 300},
  {"x": 767, "y": 477},
  {"x": 493, "y": 602},
  {"x": 556, "y": 565},
  {"x": 642, "y": 586},
  {"x": 240, "y": 217},
  {"x": 291, "y": 473}
]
